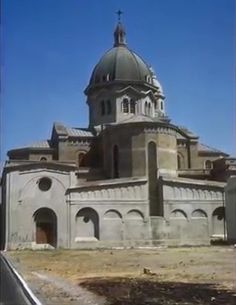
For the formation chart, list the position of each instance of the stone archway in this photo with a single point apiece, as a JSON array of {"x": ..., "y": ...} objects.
[
  {"x": 87, "y": 224},
  {"x": 46, "y": 227}
]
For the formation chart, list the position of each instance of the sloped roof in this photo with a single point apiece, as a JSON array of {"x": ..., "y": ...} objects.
[
  {"x": 188, "y": 132},
  {"x": 61, "y": 129},
  {"x": 76, "y": 132}
]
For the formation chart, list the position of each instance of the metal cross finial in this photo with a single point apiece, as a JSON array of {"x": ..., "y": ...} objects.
[{"x": 119, "y": 13}]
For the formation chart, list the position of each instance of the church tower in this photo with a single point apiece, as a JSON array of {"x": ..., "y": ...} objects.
[{"x": 123, "y": 87}]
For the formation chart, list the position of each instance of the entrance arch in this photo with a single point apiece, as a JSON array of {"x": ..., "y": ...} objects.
[{"x": 46, "y": 226}]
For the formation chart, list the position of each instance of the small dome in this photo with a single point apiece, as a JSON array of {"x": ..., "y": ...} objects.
[{"x": 122, "y": 64}]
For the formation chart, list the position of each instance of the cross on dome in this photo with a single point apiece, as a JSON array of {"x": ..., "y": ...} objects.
[
  {"x": 119, "y": 34},
  {"x": 119, "y": 13}
]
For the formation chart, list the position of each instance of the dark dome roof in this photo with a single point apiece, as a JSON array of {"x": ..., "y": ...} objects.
[{"x": 120, "y": 63}]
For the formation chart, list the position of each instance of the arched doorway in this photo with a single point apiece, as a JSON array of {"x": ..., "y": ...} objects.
[
  {"x": 46, "y": 227},
  {"x": 218, "y": 219},
  {"x": 87, "y": 223}
]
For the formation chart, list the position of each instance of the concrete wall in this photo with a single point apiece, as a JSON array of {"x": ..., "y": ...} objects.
[{"x": 230, "y": 200}]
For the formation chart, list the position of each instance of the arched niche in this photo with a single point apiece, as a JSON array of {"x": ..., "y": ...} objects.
[
  {"x": 198, "y": 213},
  {"x": 135, "y": 214},
  {"x": 178, "y": 214},
  {"x": 112, "y": 214},
  {"x": 112, "y": 226},
  {"x": 178, "y": 225},
  {"x": 134, "y": 225},
  {"x": 218, "y": 219},
  {"x": 87, "y": 223}
]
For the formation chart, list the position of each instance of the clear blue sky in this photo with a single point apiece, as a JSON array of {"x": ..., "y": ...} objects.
[{"x": 51, "y": 46}]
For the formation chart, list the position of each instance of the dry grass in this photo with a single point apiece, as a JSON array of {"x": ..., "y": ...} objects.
[{"x": 188, "y": 269}]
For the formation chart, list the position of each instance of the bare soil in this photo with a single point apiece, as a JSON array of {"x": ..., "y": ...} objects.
[{"x": 181, "y": 276}]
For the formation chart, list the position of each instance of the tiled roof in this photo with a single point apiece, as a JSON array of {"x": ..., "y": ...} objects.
[
  {"x": 38, "y": 144},
  {"x": 206, "y": 148},
  {"x": 76, "y": 132}
]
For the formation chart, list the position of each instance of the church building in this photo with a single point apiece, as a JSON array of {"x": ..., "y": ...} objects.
[{"x": 132, "y": 178}]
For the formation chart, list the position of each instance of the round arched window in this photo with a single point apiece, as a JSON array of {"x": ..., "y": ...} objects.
[{"x": 45, "y": 184}]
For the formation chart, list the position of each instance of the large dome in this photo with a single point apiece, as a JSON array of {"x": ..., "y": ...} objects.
[{"x": 121, "y": 64}]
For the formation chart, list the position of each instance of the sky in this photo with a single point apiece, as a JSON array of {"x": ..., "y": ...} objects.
[{"x": 50, "y": 47}]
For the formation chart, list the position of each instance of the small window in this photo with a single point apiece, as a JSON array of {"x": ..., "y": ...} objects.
[
  {"x": 146, "y": 108},
  {"x": 155, "y": 105},
  {"x": 103, "y": 110},
  {"x": 44, "y": 184},
  {"x": 208, "y": 164},
  {"x": 149, "y": 109},
  {"x": 132, "y": 106},
  {"x": 108, "y": 107},
  {"x": 161, "y": 105},
  {"x": 125, "y": 105}
]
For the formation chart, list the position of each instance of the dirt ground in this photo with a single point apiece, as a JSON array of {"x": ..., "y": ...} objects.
[{"x": 181, "y": 276}]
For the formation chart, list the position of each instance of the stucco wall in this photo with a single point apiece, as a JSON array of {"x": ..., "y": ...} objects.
[{"x": 24, "y": 198}]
